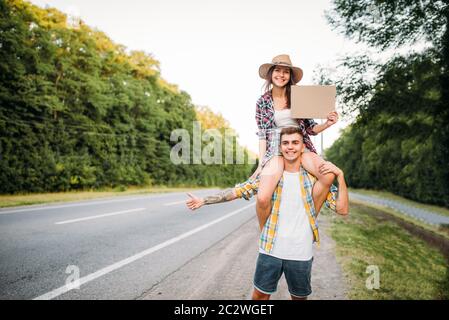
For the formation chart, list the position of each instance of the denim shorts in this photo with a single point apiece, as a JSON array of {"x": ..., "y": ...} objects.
[{"x": 269, "y": 270}]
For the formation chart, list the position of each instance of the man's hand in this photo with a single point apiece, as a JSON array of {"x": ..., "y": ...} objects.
[
  {"x": 194, "y": 203},
  {"x": 332, "y": 118},
  {"x": 329, "y": 167}
]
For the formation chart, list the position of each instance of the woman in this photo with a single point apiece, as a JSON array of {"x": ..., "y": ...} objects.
[{"x": 272, "y": 114}]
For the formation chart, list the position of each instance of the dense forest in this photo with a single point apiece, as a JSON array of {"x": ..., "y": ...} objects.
[
  {"x": 78, "y": 111},
  {"x": 399, "y": 140}
]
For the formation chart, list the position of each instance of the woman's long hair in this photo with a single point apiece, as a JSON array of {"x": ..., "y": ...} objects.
[{"x": 269, "y": 84}]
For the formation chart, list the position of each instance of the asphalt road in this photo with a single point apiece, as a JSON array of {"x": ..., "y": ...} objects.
[
  {"x": 119, "y": 247},
  {"x": 225, "y": 271},
  {"x": 423, "y": 215}
]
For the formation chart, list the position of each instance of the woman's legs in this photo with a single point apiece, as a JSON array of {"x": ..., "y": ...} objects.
[
  {"x": 269, "y": 178},
  {"x": 311, "y": 162}
]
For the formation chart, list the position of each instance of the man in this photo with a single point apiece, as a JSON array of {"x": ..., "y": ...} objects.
[{"x": 288, "y": 233}]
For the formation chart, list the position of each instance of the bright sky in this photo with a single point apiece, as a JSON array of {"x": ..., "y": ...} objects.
[{"x": 213, "y": 49}]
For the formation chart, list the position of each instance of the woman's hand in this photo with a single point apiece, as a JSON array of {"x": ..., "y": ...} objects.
[
  {"x": 256, "y": 173},
  {"x": 194, "y": 203},
  {"x": 332, "y": 118}
]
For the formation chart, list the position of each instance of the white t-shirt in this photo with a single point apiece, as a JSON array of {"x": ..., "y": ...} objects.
[
  {"x": 283, "y": 119},
  {"x": 294, "y": 238}
]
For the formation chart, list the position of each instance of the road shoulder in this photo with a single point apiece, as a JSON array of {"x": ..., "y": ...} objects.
[{"x": 225, "y": 271}]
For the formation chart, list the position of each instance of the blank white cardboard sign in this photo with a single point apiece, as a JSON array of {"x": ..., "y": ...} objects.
[{"x": 312, "y": 102}]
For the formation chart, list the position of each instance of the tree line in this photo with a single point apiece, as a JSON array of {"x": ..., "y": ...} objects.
[
  {"x": 78, "y": 111},
  {"x": 399, "y": 140}
]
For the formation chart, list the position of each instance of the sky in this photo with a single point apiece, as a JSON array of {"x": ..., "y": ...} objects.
[{"x": 213, "y": 49}]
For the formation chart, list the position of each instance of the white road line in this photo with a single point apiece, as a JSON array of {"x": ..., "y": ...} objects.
[
  {"x": 174, "y": 203},
  {"x": 124, "y": 262},
  {"x": 49, "y": 206},
  {"x": 99, "y": 216}
]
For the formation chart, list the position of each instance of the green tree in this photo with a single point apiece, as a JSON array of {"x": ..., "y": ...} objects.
[
  {"x": 411, "y": 91},
  {"x": 78, "y": 111}
]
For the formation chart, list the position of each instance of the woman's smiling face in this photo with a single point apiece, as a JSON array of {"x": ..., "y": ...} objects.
[{"x": 281, "y": 76}]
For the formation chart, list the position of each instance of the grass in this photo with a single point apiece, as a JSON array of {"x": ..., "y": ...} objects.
[
  {"x": 442, "y": 230},
  {"x": 40, "y": 198},
  {"x": 409, "y": 267},
  {"x": 391, "y": 196}
]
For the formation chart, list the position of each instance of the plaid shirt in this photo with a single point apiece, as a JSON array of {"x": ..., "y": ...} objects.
[
  {"x": 266, "y": 124},
  {"x": 267, "y": 239}
]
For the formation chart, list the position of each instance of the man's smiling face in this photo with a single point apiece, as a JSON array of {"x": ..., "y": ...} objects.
[{"x": 292, "y": 146}]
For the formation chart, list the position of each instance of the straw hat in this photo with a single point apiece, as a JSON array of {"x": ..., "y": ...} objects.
[{"x": 281, "y": 60}]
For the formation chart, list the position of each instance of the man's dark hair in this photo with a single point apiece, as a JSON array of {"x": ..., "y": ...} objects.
[{"x": 290, "y": 130}]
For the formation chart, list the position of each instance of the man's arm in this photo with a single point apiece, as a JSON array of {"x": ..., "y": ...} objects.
[
  {"x": 223, "y": 196},
  {"x": 343, "y": 196},
  {"x": 342, "y": 201},
  {"x": 244, "y": 190}
]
